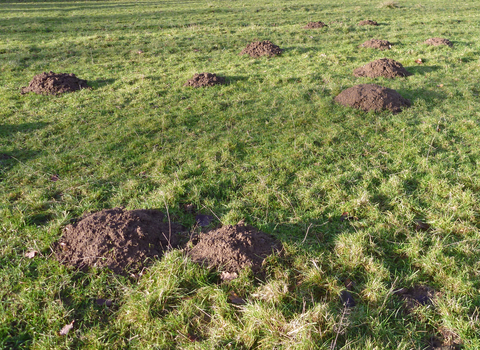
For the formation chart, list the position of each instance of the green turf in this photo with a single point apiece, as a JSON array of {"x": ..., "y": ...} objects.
[{"x": 271, "y": 147}]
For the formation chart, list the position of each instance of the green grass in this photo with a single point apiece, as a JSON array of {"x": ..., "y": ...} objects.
[{"x": 270, "y": 147}]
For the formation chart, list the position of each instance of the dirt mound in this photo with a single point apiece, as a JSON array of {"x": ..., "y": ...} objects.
[
  {"x": 383, "y": 67},
  {"x": 438, "y": 42},
  {"x": 261, "y": 48},
  {"x": 377, "y": 44},
  {"x": 205, "y": 79},
  {"x": 416, "y": 296},
  {"x": 116, "y": 238},
  {"x": 315, "y": 25},
  {"x": 372, "y": 97},
  {"x": 53, "y": 84},
  {"x": 367, "y": 22},
  {"x": 233, "y": 248}
]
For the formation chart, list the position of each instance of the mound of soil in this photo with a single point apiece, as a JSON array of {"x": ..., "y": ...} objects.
[
  {"x": 205, "y": 79},
  {"x": 383, "y": 67},
  {"x": 416, "y": 296},
  {"x": 117, "y": 239},
  {"x": 233, "y": 248},
  {"x": 261, "y": 48},
  {"x": 367, "y": 22},
  {"x": 372, "y": 97},
  {"x": 438, "y": 42},
  {"x": 377, "y": 44},
  {"x": 315, "y": 25},
  {"x": 53, "y": 84}
]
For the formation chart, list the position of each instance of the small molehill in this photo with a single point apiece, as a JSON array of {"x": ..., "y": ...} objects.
[
  {"x": 438, "y": 42},
  {"x": 233, "y": 248},
  {"x": 117, "y": 239},
  {"x": 261, "y": 48},
  {"x": 372, "y": 97},
  {"x": 53, "y": 84},
  {"x": 416, "y": 296},
  {"x": 205, "y": 79},
  {"x": 383, "y": 67},
  {"x": 315, "y": 25},
  {"x": 377, "y": 44},
  {"x": 367, "y": 22}
]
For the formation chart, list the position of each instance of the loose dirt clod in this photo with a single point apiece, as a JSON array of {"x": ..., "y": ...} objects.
[
  {"x": 53, "y": 84},
  {"x": 261, "y": 48},
  {"x": 438, "y": 42},
  {"x": 117, "y": 239},
  {"x": 383, "y": 67},
  {"x": 367, "y": 22},
  {"x": 234, "y": 248},
  {"x": 315, "y": 25},
  {"x": 377, "y": 44},
  {"x": 372, "y": 97},
  {"x": 416, "y": 296},
  {"x": 205, "y": 79}
]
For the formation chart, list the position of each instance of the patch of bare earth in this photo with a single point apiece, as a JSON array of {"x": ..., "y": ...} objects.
[
  {"x": 117, "y": 239},
  {"x": 372, "y": 97},
  {"x": 377, "y": 44},
  {"x": 233, "y": 248},
  {"x": 315, "y": 25},
  {"x": 416, "y": 296},
  {"x": 438, "y": 42},
  {"x": 261, "y": 48},
  {"x": 205, "y": 79},
  {"x": 367, "y": 22},
  {"x": 383, "y": 67},
  {"x": 54, "y": 83}
]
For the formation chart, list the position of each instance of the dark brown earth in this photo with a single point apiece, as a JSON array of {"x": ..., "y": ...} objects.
[
  {"x": 315, "y": 25},
  {"x": 205, "y": 79},
  {"x": 449, "y": 340},
  {"x": 438, "y": 42},
  {"x": 416, "y": 296},
  {"x": 367, "y": 22},
  {"x": 261, "y": 48},
  {"x": 383, "y": 67},
  {"x": 53, "y": 84},
  {"x": 117, "y": 239},
  {"x": 234, "y": 248},
  {"x": 377, "y": 44},
  {"x": 372, "y": 97}
]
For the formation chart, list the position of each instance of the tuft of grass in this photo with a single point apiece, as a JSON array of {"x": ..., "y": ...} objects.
[{"x": 389, "y": 5}]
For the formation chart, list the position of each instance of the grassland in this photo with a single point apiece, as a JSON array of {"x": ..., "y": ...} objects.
[{"x": 270, "y": 147}]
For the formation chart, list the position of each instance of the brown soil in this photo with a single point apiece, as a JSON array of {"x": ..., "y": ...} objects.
[
  {"x": 377, "y": 44},
  {"x": 53, "y": 84},
  {"x": 372, "y": 97},
  {"x": 383, "y": 67},
  {"x": 367, "y": 22},
  {"x": 117, "y": 239},
  {"x": 315, "y": 25},
  {"x": 416, "y": 296},
  {"x": 438, "y": 42},
  {"x": 234, "y": 248},
  {"x": 205, "y": 79},
  {"x": 261, "y": 48}
]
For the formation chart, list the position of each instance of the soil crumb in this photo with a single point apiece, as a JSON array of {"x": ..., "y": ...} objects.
[
  {"x": 372, "y": 97},
  {"x": 416, "y": 296},
  {"x": 261, "y": 48},
  {"x": 377, "y": 44},
  {"x": 438, "y": 42},
  {"x": 315, "y": 25},
  {"x": 117, "y": 239},
  {"x": 367, "y": 22},
  {"x": 233, "y": 248},
  {"x": 53, "y": 84},
  {"x": 383, "y": 67},
  {"x": 205, "y": 79}
]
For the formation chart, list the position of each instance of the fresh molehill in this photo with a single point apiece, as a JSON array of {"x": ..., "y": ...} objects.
[
  {"x": 377, "y": 44},
  {"x": 438, "y": 42},
  {"x": 383, "y": 67},
  {"x": 315, "y": 25},
  {"x": 261, "y": 48},
  {"x": 233, "y": 248},
  {"x": 54, "y": 83},
  {"x": 117, "y": 239},
  {"x": 205, "y": 79},
  {"x": 368, "y": 22},
  {"x": 372, "y": 97}
]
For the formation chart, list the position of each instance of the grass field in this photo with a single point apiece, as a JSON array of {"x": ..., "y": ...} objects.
[{"x": 270, "y": 147}]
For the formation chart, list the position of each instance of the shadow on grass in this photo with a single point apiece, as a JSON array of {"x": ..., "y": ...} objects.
[
  {"x": 9, "y": 129},
  {"x": 422, "y": 69}
]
